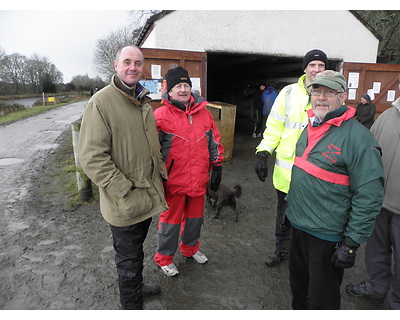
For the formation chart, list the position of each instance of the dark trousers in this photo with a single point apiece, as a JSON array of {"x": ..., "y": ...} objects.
[
  {"x": 314, "y": 281},
  {"x": 282, "y": 225},
  {"x": 382, "y": 257},
  {"x": 129, "y": 255}
]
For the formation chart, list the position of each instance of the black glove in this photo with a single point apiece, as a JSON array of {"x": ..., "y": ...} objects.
[
  {"x": 344, "y": 256},
  {"x": 216, "y": 177},
  {"x": 261, "y": 165}
]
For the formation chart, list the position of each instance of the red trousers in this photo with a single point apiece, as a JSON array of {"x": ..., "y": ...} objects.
[{"x": 184, "y": 218}]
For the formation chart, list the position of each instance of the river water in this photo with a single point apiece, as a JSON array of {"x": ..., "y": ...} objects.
[{"x": 27, "y": 102}]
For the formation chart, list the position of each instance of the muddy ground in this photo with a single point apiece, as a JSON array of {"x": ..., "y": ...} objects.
[{"x": 65, "y": 259}]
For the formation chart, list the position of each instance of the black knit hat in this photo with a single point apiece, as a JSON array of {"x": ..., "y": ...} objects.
[
  {"x": 314, "y": 55},
  {"x": 175, "y": 76}
]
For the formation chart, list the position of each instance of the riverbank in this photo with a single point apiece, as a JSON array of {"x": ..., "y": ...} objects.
[{"x": 12, "y": 112}]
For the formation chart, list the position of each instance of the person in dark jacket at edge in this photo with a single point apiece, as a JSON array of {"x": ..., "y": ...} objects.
[
  {"x": 335, "y": 194},
  {"x": 190, "y": 147},
  {"x": 365, "y": 112},
  {"x": 382, "y": 251}
]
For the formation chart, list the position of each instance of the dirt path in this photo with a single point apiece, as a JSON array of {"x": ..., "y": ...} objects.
[{"x": 62, "y": 259}]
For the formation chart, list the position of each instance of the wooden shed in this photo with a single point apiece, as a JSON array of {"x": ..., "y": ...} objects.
[{"x": 230, "y": 51}]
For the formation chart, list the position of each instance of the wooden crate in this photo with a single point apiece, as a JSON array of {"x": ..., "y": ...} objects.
[{"x": 224, "y": 116}]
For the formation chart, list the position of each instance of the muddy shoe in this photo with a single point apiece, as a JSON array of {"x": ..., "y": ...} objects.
[
  {"x": 361, "y": 290},
  {"x": 149, "y": 290},
  {"x": 200, "y": 257},
  {"x": 170, "y": 270},
  {"x": 276, "y": 258}
]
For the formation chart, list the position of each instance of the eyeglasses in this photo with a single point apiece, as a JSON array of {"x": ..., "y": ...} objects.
[
  {"x": 327, "y": 93},
  {"x": 181, "y": 85}
]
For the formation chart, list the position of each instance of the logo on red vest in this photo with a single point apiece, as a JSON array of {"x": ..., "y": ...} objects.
[{"x": 331, "y": 154}]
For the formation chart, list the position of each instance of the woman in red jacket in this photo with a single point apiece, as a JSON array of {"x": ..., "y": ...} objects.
[{"x": 190, "y": 147}]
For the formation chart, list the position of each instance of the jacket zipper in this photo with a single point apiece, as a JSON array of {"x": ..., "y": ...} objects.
[{"x": 171, "y": 165}]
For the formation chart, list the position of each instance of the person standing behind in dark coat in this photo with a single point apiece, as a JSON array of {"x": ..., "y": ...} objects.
[
  {"x": 365, "y": 112},
  {"x": 268, "y": 98},
  {"x": 259, "y": 106}
]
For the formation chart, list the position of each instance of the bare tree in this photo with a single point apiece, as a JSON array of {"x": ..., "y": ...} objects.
[
  {"x": 42, "y": 73},
  {"x": 2, "y": 53},
  {"x": 139, "y": 17},
  {"x": 81, "y": 82},
  {"x": 28, "y": 75},
  {"x": 107, "y": 48},
  {"x": 11, "y": 71}
]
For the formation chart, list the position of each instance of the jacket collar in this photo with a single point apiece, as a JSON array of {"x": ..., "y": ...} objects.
[
  {"x": 336, "y": 117},
  {"x": 138, "y": 92},
  {"x": 302, "y": 83}
]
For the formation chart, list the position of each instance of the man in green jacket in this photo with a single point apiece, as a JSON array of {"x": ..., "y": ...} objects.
[
  {"x": 119, "y": 151},
  {"x": 336, "y": 191}
]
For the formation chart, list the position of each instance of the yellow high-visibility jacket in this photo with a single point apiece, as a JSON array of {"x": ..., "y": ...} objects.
[{"x": 287, "y": 120}]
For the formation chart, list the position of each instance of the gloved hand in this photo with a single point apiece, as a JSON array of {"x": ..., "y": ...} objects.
[
  {"x": 216, "y": 177},
  {"x": 261, "y": 165},
  {"x": 344, "y": 256}
]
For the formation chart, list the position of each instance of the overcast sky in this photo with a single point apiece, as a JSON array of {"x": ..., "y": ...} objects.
[{"x": 67, "y": 38}]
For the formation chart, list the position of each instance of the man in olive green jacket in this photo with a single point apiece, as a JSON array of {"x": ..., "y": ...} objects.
[{"x": 119, "y": 151}]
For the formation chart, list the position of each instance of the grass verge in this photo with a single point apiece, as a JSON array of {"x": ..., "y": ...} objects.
[
  {"x": 28, "y": 112},
  {"x": 65, "y": 173}
]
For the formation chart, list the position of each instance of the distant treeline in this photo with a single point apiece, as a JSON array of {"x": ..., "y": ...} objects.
[{"x": 30, "y": 75}]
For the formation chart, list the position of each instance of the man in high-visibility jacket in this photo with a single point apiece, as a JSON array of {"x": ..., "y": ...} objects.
[{"x": 286, "y": 121}]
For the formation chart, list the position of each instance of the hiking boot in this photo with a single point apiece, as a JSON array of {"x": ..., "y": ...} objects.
[
  {"x": 361, "y": 290},
  {"x": 149, "y": 290},
  {"x": 170, "y": 270},
  {"x": 200, "y": 257},
  {"x": 276, "y": 258}
]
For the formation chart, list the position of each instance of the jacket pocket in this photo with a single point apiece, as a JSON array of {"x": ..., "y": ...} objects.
[
  {"x": 135, "y": 203},
  {"x": 286, "y": 152}
]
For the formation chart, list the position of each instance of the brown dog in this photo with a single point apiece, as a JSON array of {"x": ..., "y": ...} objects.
[{"x": 224, "y": 196}]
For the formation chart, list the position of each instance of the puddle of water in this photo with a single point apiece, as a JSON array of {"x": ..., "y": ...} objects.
[
  {"x": 51, "y": 131},
  {"x": 46, "y": 242},
  {"x": 9, "y": 161},
  {"x": 47, "y": 146},
  {"x": 17, "y": 226}
]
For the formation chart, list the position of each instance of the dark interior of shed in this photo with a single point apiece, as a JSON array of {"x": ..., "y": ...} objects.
[{"x": 232, "y": 78}]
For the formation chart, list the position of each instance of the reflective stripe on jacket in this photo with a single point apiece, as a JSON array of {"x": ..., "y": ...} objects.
[{"x": 286, "y": 121}]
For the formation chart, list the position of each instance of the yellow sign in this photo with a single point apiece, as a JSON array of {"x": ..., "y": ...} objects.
[{"x": 50, "y": 99}]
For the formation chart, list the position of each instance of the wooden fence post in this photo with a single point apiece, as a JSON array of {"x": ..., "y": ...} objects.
[{"x": 84, "y": 183}]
